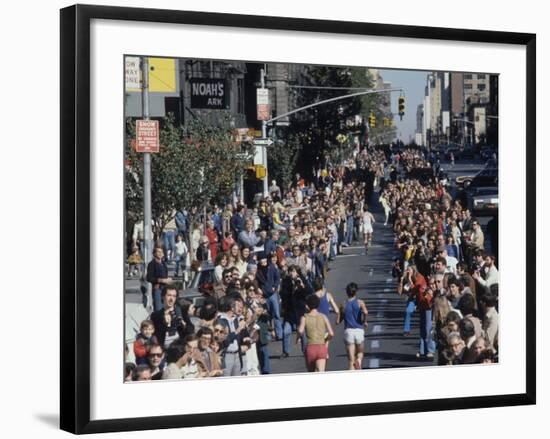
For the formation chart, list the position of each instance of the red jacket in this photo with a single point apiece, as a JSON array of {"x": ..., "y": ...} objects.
[
  {"x": 227, "y": 242},
  {"x": 213, "y": 239},
  {"x": 423, "y": 300}
]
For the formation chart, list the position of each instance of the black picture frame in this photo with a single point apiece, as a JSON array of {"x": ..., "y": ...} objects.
[{"x": 75, "y": 216}]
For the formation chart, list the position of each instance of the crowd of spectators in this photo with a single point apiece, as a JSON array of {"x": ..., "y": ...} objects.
[
  {"x": 443, "y": 268},
  {"x": 268, "y": 260}
]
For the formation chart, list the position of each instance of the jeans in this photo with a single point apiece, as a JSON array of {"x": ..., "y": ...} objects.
[
  {"x": 157, "y": 301},
  {"x": 274, "y": 310},
  {"x": 178, "y": 261},
  {"x": 349, "y": 232},
  {"x": 288, "y": 328},
  {"x": 408, "y": 314},
  {"x": 287, "y": 332},
  {"x": 427, "y": 344},
  {"x": 169, "y": 243},
  {"x": 263, "y": 356},
  {"x": 333, "y": 250}
]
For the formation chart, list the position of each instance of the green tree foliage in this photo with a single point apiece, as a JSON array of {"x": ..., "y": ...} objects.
[
  {"x": 373, "y": 103},
  {"x": 361, "y": 78},
  {"x": 196, "y": 164},
  {"x": 283, "y": 156},
  {"x": 317, "y": 128}
]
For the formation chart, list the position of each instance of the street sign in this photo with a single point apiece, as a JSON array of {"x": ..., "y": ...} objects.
[
  {"x": 132, "y": 73},
  {"x": 263, "y": 142},
  {"x": 162, "y": 75},
  {"x": 262, "y": 104},
  {"x": 209, "y": 93},
  {"x": 147, "y": 136}
]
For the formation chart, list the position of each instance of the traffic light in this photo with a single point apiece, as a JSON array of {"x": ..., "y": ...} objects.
[
  {"x": 401, "y": 107},
  {"x": 260, "y": 172},
  {"x": 372, "y": 120}
]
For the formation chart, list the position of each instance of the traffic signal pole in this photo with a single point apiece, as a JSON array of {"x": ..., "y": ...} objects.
[
  {"x": 264, "y": 137},
  {"x": 326, "y": 101},
  {"x": 147, "y": 232}
]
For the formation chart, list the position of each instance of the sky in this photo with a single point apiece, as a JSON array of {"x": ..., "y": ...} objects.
[{"x": 413, "y": 83}]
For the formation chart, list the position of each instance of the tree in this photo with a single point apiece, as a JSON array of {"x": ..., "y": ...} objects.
[
  {"x": 196, "y": 164},
  {"x": 316, "y": 128},
  {"x": 373, "y": 103},
  {"x": 283, "y": 156}
]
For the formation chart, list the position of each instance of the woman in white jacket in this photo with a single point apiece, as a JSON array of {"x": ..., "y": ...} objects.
[{"x": 386, "y": 205}]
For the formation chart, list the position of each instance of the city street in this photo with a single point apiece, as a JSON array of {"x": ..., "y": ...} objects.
[
  {"x": 385, "y": 345},
  {"x": 298, "y": 156}
]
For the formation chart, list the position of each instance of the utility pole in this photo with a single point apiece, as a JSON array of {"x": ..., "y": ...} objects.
[
  {"x": 264, "y": 137},
  {"x": 147, "y": 232}
]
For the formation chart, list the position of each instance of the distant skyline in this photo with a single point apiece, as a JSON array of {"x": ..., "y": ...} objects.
[{"x": 413, "y": 83}]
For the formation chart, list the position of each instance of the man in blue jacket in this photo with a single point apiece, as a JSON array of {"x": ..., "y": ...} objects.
[
  {"x": 271, "y": 244},
  {"x": 269, "y": 279},
  {"x": 237, "y": 222}
]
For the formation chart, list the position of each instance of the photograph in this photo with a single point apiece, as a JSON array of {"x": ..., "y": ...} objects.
[{"x": 287, "y": 218}]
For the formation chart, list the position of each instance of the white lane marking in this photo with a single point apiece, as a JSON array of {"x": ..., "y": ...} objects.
[
  {"x": 345, "y": 256},
  {"x": 354, "y": 247},
  {"x": 384, "y": 301},
  {"x": 377, "y": 329},
  {"x": 388, "y": 280},
  {"x": 375, "y": 344},
  {"x": 374, "y": 363}
]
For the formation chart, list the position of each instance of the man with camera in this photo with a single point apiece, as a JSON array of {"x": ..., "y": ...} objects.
[{"x": 169, "y": 321}]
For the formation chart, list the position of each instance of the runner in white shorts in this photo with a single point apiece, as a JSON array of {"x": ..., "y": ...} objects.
[
  {"x": 368, "y": 221},
  {"x": 354, "y": 315}
]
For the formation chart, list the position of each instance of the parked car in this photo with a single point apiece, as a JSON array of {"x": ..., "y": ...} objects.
[
  {"x": 487, "y": 177},
  {"x": 484, "y": 201}
]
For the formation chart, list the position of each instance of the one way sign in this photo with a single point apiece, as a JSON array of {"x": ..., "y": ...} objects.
[{"x": 263, "y": 142}]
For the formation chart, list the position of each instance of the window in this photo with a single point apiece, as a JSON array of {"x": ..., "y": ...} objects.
[
  {"x": 467, "y": 76},
  {"x": 481, "y": 76},
  {"x": 467, "y": 86},
  {"x": 481, "y": 87}
]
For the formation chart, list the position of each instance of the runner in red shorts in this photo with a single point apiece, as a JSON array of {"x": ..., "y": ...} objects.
[{"x": 317, "y": 330}]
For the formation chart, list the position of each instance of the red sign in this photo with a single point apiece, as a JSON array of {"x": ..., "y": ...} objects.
[
  {"x": 147, "y": 136},
  {"x": 262, "y": 104}
]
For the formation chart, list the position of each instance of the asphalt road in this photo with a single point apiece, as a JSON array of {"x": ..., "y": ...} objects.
[{"x": 385, "y": 345}]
